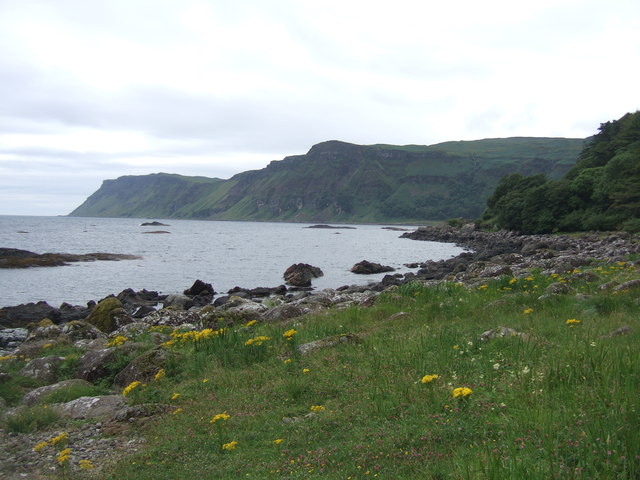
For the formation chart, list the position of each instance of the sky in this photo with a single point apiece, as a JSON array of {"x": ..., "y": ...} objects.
[{"x": 98, "y": 89}]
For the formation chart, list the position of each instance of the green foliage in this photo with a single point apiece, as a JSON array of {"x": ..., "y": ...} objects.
[
  {"x": 31, "y": 419},
  {"x": 602, "y": 191},
  {"x": 337, "y": 181},
  {"x": 102, "y": 315}
]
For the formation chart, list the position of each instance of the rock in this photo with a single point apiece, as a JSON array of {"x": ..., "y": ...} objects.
[
  {"x": 199, "y": 288},
  {"x": 558, "y": 288},
  {"x": 46, "y": 332},
  {"x": 101, "y": 407},
  {"x": 131, "y": 330},
  {"x": 400, "y": 315},
  {"x": 368, "y": 268},
  {"x": 157, "y": 231},
  {"x": 154, "y": 224},
  {"x": 108, "y": 315},
  {"x": 34, "y": 348},
  {"x": 631, "y": 284},
  {"x": 181, "y": 302},
  {"x": 300, "y": 274},
  {"x": 12, "y": 258},
  {"x": 22, "y": 315},
  {"x": 618, "y": 332},
  {"x": 501, "y": 332},
  {"x": 11, "y": 338},
  {"x": 143, "y": 368},
  {"x": 42, "y": 369},
  {"x": 95, "y": 364},
  {"x": 307, "y": 348},
  {"x": 128, "y": 413},
  {"x": 80, "y": 330},
  {"x": 173, "y": 318},
  {"x": 283, "y": 312},
  {"x": 39, "y": 394},
  {"x": 259, "y": 291}
]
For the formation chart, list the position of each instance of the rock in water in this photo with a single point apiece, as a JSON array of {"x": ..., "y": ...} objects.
[
  {"x": 300, "y": 274},
  {"x": 367, "y": 268}
]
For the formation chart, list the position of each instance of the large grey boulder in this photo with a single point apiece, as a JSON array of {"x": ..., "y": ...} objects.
[
  {"x": 143, "y": 368},
  {"x": 42, "y": 369},
  {"x": 101, "y": 407},
  {"x": 11, "y": 338}
]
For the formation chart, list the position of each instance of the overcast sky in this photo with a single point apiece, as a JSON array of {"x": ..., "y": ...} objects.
[{"x": 97, "y": 89}]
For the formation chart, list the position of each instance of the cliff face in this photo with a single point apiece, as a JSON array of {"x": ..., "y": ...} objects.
[{"x": 337, "y": 181}]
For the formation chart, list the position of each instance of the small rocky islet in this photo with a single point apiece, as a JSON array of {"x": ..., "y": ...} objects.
[{"x": 103, "y": 430}]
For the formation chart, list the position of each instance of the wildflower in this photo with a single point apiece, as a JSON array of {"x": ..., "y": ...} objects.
[
  {"x": 176, "y": 411},
  {"x": 116, "y": 341},
  {"x": 483, "y": 287},
  {"x": 529, "y": 279},
  {"x": 512, "y": 281},
  {"x": 429, "y": 378},
  {"x": 278, "y": 441},
  {"x": 205, "y": 380},
  {"x": 306, "y": 370},
  {"x": 257, "y": 340},
  {"x": 572, "y": 322},
  {"x": 289, "y": 334},
  {"x": 47, "y": 345},
  {"x": 130, "y": 387},
  {"x": 462, "y": 392},
  {"x": 456, "y": 347},
  {"x": 251, "y": 323},
  {"x": 62, "y": 438},
  {"x": 220, "y": 416},
  {"x": 526, "y": 370},
  {"x": 317, "y": 408},
  {"x": 86, "y": 464},
  {"x": 174, "y": 396},
  {"x": 288, "y": 360},
  {"x": 159, "y": 375},
  {"x": 496, "y": 366},
  {"x": 6, "y": 357},
  {"x": 527, "y": 311},
  {"x": 40, "y": 446},
  {"x": 230, "y": 445},
  {"x": 63, "y": 456}
]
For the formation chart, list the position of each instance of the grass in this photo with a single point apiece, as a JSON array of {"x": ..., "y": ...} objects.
[{"x": 561, "y": 403}]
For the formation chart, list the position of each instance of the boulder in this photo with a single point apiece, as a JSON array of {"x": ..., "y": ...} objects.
[
  {"x": 143, "y": 368},
  {"x": 80, "y": 330},
  {"x": 173, "y": 318},
  {"x": 39, "y": 394},
  {"x": 102, "y": 407},
  {"x": 94, "y": 364},
  {"x": 43, "y": 369},
  {"x": 368, "y": 268},
  {"x": 283, "y": 312},
  {"x": 199, "y": 288},
  {"x": 22, "y": 315},
  {"x": 501, "y": 332},
  {"x": 180, "y": 302},
  {"x": 109, "y": 315},
  {"x": 300, "y": 274},
  {"x": 11, "y": 338}
]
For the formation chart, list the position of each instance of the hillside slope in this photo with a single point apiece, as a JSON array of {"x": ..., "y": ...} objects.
[{"x": 337, "y": 181}]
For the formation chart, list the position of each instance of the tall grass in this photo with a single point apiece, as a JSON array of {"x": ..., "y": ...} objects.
[{"x": 561, "y": 401}]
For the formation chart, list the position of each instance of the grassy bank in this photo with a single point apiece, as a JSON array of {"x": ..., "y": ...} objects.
[{"x": 414, "y": 392}]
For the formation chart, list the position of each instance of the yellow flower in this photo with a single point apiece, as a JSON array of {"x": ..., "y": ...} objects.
[
  {"x": 86, "y": 464},
  {"x": 205, "y": 380},
  {"x": 527, "y": 311},
  {"x": 278, "y": 441},
  {"x": 220, "y": 416},
  {"x": 572, "y": 322},
  {"x": 483, "y": 287},
  {"x": 251, "y": 323},
  {"x": 176, "y": 411},
  {"x": 130, "y": 387},
  {"x": 456, "y": 347},
  {"x": 161, "y": 373},
  {"x": 288, "y": 360},
  {"x": 512, "y": 281},
  {"x": 462, "y": 392},
  {"x": 257, "y": 340},
  {"x": 289, "y": 334},
  {"x": 317, "y": 408},
  {"x": 64, "y": 455},
  {"x": 40, "y": 446},
  {"x": 174, "y": 396},
  {"x": 63, "y": 437},
  {"x": 230, "y": 445},
  {"x": 116, "y": 341},
  {"x": 429, "y": 378},
  {"x": 529, "y": 279},
  {"x": 306, "y": 370}
]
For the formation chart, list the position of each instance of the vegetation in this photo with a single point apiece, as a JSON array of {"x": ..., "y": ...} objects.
[
  {"x": 419, "y": 395},
  {"x": 337, "y": 181},
  {"x": 601, "y": 192}
]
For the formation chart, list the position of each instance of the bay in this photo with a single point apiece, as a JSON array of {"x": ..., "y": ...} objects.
[{"x": 223, "y": 253}]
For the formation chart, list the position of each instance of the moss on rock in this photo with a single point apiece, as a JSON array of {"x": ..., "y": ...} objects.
[{"x": 104, "y": 315}]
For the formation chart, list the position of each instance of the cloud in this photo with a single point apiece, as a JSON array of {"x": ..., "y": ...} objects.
[{"x": 97, "y": 90}]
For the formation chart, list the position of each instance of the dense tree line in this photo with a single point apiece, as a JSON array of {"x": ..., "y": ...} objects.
[{"x": 601, "y": 192}]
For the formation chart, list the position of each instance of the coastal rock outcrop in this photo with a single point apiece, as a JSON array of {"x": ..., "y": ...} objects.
[
  {"x": 300, "y": 274},
  {"x": 368, "y": 268}
]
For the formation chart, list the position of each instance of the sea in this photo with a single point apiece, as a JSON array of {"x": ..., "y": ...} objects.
[{"x": 225, "y": 254}]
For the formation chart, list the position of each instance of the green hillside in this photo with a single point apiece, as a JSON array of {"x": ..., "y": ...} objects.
[
  {"x": 342, "y": 182},
  {"x": 601, "y": 192}
]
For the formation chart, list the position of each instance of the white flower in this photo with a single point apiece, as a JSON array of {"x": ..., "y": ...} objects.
[{"x": 496, "y": 366}]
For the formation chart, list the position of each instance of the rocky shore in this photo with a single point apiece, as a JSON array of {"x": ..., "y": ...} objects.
[{"x": 93, "y": 330}]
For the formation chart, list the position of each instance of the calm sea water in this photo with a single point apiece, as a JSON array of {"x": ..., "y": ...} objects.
[{"x": 225, "y": 254}]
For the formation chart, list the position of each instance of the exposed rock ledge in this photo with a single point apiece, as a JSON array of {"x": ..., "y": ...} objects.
[{"x": 15, "y": 258}]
